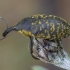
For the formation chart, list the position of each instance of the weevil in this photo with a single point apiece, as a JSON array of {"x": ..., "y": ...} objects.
[{"x": 41, "y": 26}]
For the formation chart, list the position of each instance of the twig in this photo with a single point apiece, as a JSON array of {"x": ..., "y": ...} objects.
[{"x": 60, "y": 58}]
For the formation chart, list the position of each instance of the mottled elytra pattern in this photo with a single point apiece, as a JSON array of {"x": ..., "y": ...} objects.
[{"x": 45, "y": 26}]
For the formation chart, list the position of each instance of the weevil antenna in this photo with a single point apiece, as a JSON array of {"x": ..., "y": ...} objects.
[{"x": 6, "y": 25}]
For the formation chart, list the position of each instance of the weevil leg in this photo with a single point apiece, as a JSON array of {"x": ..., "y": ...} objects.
[
  {"x": 60, "y": 47},
  {"x": 31, "y": 48},
  {"x": 59, "y": 44}
]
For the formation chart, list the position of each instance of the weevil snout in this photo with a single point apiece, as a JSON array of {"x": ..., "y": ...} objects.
[
  {"x": 12, "y": 28},
  {"x": 15, "y": 27},
  {"x": 8, "y": 30}
]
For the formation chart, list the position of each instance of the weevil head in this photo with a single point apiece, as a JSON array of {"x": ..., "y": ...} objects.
[
  {"x": 28, "y": 27},
  {"x": 24, "y": 24},
  {"x": 24, "y": 27}
]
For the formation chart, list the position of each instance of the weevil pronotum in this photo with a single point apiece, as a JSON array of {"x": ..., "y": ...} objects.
[{"x": 41, "y": 26}]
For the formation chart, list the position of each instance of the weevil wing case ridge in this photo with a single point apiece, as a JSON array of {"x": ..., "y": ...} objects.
[{"x": 45, "y": 26}]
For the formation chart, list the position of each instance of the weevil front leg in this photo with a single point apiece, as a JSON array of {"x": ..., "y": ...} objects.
[{"x": 31, "y": 48}]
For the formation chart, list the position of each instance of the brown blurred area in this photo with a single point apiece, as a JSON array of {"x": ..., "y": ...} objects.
[{"x": 14, "y": 54}]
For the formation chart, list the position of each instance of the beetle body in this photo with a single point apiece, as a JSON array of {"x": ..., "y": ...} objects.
[{"x": 42, "y": 26}]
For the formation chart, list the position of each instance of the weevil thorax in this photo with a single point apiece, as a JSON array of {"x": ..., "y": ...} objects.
[{"x": 24, "y": 27}]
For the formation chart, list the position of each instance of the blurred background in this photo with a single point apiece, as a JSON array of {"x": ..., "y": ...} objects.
[{"x": 14, "y": 54}]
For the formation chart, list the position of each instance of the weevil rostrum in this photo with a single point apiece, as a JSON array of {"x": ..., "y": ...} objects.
[{"x": 42, "y": 26}]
